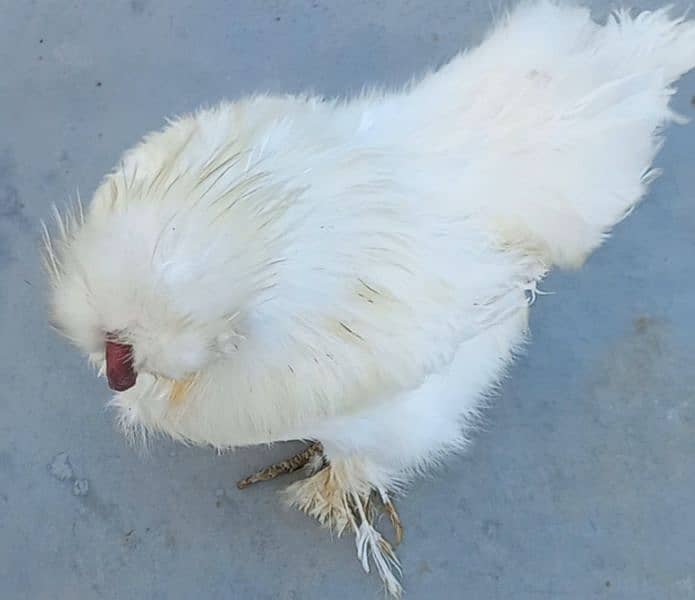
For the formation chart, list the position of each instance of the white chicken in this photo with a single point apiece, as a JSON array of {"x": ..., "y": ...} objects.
[{"x": 358, "y": 273}]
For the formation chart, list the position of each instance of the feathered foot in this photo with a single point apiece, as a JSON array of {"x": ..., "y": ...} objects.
[
  {"x": 338, "y": 500},
  {"x": 289, "y": 465}
]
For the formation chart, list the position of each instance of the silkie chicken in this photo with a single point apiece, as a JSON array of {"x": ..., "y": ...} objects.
[{"x": 358, "y": 274}]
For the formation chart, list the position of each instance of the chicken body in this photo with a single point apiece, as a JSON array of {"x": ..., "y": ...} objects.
[{"x": 359, "y": 273}]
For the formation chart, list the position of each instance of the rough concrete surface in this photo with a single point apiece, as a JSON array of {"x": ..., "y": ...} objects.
[{"x": 580, "y": 487}]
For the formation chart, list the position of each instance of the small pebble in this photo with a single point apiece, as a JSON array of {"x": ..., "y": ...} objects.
[
  {"x": 60, "y": 467},
  {"x": 80, "y": 487}
]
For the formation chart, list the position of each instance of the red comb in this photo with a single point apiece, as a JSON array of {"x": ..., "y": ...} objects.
[{"x": 119, "y": 366}]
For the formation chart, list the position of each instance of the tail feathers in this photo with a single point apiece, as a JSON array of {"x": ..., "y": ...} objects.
[
  {"x": 662, "y": 43},
  {"x": 593, "y": 156},
  {"x": 556, "y": 120}
]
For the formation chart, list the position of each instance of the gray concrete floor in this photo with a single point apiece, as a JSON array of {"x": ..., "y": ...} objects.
[{"x": 582, "y": 485}]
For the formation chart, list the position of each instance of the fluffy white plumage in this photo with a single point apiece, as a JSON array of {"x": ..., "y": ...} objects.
[{"x": 359, "y": 272}]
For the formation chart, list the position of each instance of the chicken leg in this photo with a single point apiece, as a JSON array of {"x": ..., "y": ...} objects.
[{"x": 289, "y": 465}]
